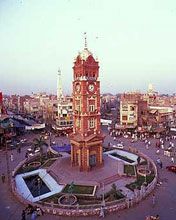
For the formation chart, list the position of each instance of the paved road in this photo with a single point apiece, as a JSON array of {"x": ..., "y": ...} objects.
[{"x": 10, "y": 208}]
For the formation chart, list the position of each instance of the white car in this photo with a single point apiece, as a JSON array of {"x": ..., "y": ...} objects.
[
  {"x": 118, "y": 146},
  {"x": 23, "y": 140}
]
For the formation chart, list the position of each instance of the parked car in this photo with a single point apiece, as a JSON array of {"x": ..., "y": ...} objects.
[
  {"x": 171, "y": 168},
  {"x": 118, "y": 146},
  {"x": 23, "y": 140}
]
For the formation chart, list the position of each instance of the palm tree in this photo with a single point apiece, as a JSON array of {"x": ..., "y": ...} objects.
[{"x": 39, "y": 143}]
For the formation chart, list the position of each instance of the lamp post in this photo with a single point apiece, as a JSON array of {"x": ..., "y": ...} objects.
[
  {"x": 145, "y": 176},
  {"x": 38, "y": 183},
  {"x": 5, "y": 127},
  {"x": 7, "y": 162},
  {"x": 103, "y": 200}
]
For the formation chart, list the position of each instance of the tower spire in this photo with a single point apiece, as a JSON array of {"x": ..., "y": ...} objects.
[
  {"x": 85, "y": 40},
  {"x": 59, "y": 85}
]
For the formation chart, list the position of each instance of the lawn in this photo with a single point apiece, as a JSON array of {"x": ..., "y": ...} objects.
[
  {"x": 79, "y": 189},
  {"x": 130, "y": 170},
  {"x": 49, "y": 162}
]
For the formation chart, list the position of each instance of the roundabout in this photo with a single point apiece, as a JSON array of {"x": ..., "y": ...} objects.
[{"x": 115, "y": 186}]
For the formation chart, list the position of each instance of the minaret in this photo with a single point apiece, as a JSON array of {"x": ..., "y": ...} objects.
[
  {"x": 59, "y": 86},
  {"x": 150, "y": 89}
]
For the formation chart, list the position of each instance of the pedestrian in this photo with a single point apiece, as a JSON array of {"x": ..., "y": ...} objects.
[
  {"x": 153, "y": 200},
  {"x": 40, "y": 212},
  {"x": 33, "y": 215},
  {"x": 161, "y": 164},
  {"x": 26, "y": 155},
  {"x": 172, "y": 159},
  {"x": 101, "y": 212},
  {"x": 158, "y": 151},
  {"x": 11, "y": 157},
  {"x": 23, "y": 215},
  {"x": 157, "y": 217},
  {"x": 3, "y": 178}
]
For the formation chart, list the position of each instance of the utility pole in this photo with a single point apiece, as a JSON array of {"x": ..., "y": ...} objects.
[
  {"x": 7, "y": 160},
  {"x": 103, "y": 199}
]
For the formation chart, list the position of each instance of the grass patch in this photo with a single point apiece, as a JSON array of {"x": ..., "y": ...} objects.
[
  {"x": 26, "y": 169},
  {"x": 79, "y": 189},
  {"x": 53, "y": 199},
  {"x": 113, "y": 194},
  {"x": 83, "y": 199},
  {"x": 122, "y": 157},
  {"x": 144, "y": 162},
  {"x": 46, "y": 161},
  {"x": 140, "y": 181},
  {"x": 49, "y": 162},
  {"x": 130, "y": 170}
]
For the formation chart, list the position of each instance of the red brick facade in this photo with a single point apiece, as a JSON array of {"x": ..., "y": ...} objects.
[{"x": 86, "y": 139}]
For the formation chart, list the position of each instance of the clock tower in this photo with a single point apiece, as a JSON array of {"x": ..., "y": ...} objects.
[{"x": 86, "y": 139}]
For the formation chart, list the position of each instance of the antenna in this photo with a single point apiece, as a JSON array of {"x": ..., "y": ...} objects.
[{"x": 85, "y": 40}]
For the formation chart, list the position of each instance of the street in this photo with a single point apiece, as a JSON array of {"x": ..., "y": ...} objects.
[{"x": 165, "y": 205}]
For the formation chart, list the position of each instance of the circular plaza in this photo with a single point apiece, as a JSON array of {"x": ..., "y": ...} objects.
[{"x": 126, "y": 177}]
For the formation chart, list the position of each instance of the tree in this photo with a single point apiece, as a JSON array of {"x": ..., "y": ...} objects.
[
  {"x": 113, "y": 191},
  {"x": 39, "y": 143}
]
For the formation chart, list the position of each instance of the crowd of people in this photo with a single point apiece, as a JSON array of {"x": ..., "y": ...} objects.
[{"x": 31, "y": 211}]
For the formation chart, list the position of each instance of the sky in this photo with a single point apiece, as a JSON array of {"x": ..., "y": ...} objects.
[{"x": 135, "y": 42}]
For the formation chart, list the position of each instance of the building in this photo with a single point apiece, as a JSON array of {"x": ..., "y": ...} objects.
[
  {"x": 133, "y": 110},
  {"x": 160, "y": 116},
  {"x": 1, "y": 104},
  {"x": 86, "y": 139}
]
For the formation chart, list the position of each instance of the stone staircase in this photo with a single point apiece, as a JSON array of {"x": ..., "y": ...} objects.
[{"x": 108, "y": 180}]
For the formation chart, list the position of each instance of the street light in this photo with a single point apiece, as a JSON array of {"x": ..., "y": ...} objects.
[
  {"x": 39, "y": 184},
  {"x": 103, "y": 200},
  {"x": 5, "y": 126},
  {"x": 145, "y": 176}
]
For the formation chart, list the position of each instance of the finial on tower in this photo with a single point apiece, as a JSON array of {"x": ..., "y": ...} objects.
[
  {"x": 59, "y": 72},
  {"x": 85, "y": 40}
]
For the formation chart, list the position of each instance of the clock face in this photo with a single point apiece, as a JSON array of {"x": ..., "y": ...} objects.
[
  {"x": 91, "y": 87},
  {"x": 78, "y": 87}
]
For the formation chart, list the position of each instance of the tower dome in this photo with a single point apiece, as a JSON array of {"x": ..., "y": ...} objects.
[{"x": 85, "y": 54}]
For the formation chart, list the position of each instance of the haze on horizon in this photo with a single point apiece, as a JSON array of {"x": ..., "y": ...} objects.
[{"x": 133, "y": 40}]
